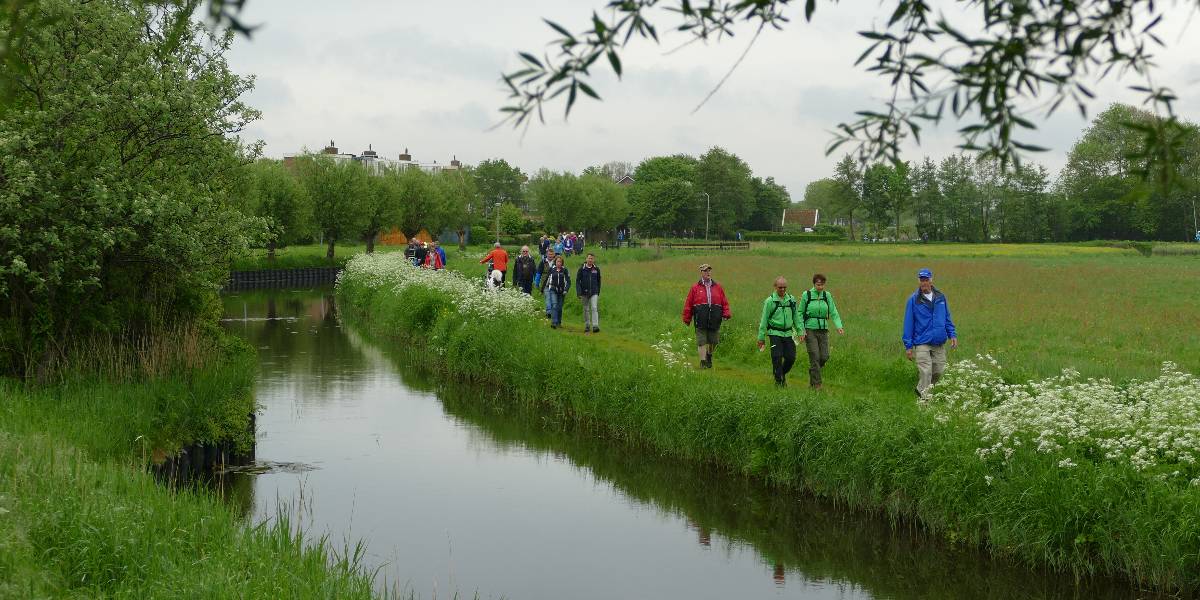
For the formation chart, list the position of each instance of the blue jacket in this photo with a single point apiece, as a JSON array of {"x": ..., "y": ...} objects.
[{"x": 927, "y": 322}]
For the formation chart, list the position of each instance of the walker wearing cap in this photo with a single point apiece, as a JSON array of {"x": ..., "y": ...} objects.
[
  {"x": 706, "y": 306},
  {"x": 927, "y": 328}
]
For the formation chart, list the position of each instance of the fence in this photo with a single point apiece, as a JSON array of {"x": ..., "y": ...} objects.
[{"x": 280, "y": 278}]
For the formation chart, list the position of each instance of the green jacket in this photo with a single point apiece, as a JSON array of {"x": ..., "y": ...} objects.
[
  {"x": 780, "y": 316},
  {"x": 821, "y": 310}
]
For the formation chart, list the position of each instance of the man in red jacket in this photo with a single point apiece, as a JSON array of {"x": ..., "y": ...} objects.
[
  {"x": 499, "y": 260},
  {"x": 707, "y": 306}
]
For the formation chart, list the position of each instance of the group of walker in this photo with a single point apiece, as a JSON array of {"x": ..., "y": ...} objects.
[
  {"x": 552, "y": 280},
  {"x": 927, "y": 326},
  {"x": 927, "y": 323}
]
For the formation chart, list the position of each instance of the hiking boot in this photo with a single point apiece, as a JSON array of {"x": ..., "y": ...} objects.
[
  {"x": 816, "y": 387},
  {"x": 595, "y": 330}
]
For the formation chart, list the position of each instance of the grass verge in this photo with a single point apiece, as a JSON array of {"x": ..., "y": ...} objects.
[{"x": 81, "y": 517}]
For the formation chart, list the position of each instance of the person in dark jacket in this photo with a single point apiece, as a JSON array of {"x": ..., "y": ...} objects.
[
  {"x": 555, "y": 285},
  {"x": 420, "y": 253},
  {"x": 927, "y": 327},
  {"x": 524, "y": 270},
  {"x": 543, "y": 269},
  {"x": 707, "y": 306},
  {"x": 587, "y": 287}
]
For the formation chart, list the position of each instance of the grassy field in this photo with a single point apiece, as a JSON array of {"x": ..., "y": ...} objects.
[
  {"x": 865, "y": 441},
  {"x": 81, "y": 517}
]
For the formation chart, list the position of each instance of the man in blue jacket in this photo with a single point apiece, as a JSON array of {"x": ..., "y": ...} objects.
[{"x": 927, "y": 327}]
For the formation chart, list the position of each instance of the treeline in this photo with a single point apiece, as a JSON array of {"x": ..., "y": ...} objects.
[
  {"x": 683, "y": 195},
  {"x": 1103, "y": 192}
]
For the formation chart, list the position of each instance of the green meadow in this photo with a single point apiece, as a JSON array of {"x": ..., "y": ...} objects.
[{"x": 863, "y": 441}]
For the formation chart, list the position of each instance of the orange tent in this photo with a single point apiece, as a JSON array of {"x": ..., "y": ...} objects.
[{"x": 395, "y": 237}]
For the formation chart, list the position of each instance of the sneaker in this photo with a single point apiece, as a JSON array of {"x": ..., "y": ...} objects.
[
  {"x": 553, "y": 326},
  {"x": 595, "y": 330}
]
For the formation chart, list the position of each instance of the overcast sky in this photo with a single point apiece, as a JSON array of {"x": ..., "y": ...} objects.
[{"x": 426, "y": 76}]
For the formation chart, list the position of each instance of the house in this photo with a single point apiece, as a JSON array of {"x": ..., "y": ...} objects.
[
  {"x": 376, "y": 163},
  {"x": 805, "y": 219}
]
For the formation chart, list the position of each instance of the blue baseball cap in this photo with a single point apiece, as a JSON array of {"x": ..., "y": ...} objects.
[{"x": 924, "y": 274}]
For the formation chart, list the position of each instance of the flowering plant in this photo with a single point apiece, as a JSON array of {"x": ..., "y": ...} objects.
[
  {"x": 392, "y": 271},
  {"x": 1152, "y": 426}
]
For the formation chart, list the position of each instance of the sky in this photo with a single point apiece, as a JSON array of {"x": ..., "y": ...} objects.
[{"x": 425, "y": 76}]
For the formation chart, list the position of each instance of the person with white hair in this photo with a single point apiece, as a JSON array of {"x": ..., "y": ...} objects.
[
  {"x": 499, "y": 260},
  {"x": 524, "y": 270}
]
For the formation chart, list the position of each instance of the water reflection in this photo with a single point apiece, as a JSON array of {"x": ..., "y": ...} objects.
[
  {"x": 454, "y": 487},
  {"x": 799, "y": 539}
]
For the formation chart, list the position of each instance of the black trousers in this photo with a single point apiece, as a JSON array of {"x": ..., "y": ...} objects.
[{"x": 783, "y": 356}]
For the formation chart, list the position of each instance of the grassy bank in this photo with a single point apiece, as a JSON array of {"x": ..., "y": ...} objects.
[
  {"x": 81, "y": 517},
  {"x": 865, "y": 443}
]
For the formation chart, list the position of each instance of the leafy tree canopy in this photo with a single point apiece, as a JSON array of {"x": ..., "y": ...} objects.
[
  {"x": 118, "y": 164},
  {"x": 985, "y": 71}
]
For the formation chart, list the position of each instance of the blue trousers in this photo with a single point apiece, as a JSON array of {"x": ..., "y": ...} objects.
[{"x": 554, "y": 305}]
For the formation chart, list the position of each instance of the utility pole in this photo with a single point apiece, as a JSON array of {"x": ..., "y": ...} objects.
[
  {"x": 497, "y": 222},
  {"x": 707, "y": 203}
]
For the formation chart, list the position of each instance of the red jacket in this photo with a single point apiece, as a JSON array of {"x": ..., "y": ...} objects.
[
  {"x": 697, "y": 296},
  {"x": 433, "y": 260},
  {"x": 499, "y": 259}
]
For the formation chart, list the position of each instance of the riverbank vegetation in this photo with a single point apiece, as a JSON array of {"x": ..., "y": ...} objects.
[
  {"x": 82, "y": 516},
  {"x": 865, "y": 440}
]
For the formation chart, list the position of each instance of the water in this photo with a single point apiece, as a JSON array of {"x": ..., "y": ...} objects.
[{"x": 454, "y": 490}]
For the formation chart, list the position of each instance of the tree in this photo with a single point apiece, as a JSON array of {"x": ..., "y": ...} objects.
[
  {"x": 273, "y": 194},
  {"x": 727, "y": 180},
  {"x": 423, "y": 205},
  {"x": 604, "y": 204},
  {"x": 118, "y": 158},
  {"x": 615, "y": 170},
  {"x": 381, "y": 206},
  {"x": 822, "y": 195},
  {"x": 876, "y": 199},
  {"x": 557, "y": 197},
  {"x": 662, "y": 204},
  {"x": 337, "y": 189},
  {"x": 957, "y": 182},
  {"x": 770, "y": 200},
  {"x": 656, "y": 197},
  {"x": 927, "y": 201},
  {"x": 459, "y": 196},
  {"x": 1023, "y": 54},
  {"x": 499, "y": 183},
  {"x": 849, "y": 178},
  {"x": 511, "y": 219},
  {"x": 899, "y": 192},
  {"x": 1104, "y": 186}
]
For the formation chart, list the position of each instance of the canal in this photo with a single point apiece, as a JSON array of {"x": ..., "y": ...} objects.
[{"x": 453, "y": 490}]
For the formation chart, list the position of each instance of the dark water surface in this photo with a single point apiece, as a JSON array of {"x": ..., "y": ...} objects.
[{"x": 454, "y": 490}]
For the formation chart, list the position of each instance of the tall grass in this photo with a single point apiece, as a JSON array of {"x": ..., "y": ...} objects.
[
  {"x": 867, "y": 444},
  {"x": 77, "y": 527},
  {"x": 80, "y": 515}
]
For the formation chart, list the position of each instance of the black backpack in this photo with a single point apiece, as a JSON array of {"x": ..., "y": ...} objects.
[{"x": 824, "y": 297}]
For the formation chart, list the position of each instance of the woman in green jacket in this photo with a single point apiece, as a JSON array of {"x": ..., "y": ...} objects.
[
  {"x": 818, "y": 311},
  {"x": 779, "y": 320}
]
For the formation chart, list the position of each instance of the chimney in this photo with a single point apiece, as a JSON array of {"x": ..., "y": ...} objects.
[
  {"x": 405, "y": 156},
  {"x": 330, "y": 149}
]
